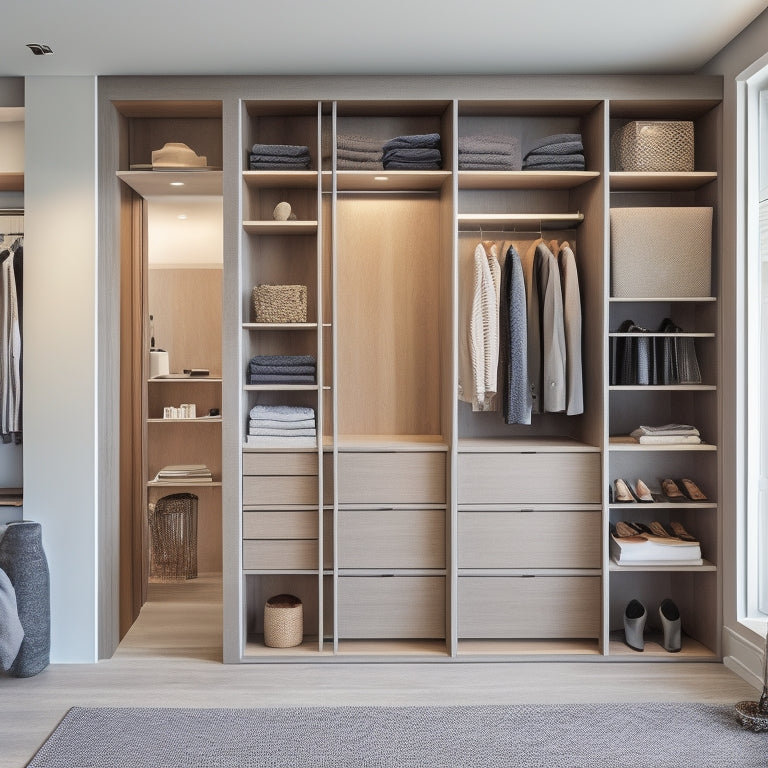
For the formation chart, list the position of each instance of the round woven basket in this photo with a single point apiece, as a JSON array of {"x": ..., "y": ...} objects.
[{"x": 283, "y": 621}]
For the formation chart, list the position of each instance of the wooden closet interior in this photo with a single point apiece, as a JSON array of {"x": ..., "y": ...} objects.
[{"x": 416, "y": 528}]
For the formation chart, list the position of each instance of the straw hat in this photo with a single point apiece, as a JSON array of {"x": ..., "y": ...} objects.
[{"x": 176, "y": 155}]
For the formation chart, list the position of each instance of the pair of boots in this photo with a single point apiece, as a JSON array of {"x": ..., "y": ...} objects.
[{"x": 634, "y": 625}]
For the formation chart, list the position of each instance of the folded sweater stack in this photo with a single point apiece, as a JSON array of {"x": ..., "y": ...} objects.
[
  {"x": 279, "y": 157},
  {"x": 559, "y": 152},
  {"x": 667, "y": 434},
  {"x": 358, "y": 153},
  {"x": 282, "y": 369},
  {"x": 418, "y": 152},
  {"x": 281, "y": 426},
  {"x": 489, "y": 153}
]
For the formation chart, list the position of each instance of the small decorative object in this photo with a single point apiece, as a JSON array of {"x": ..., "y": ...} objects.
[
  {"x": 653, "y": 146},
  {"x": 279, "y": 304},
  {"x": 283, "y": 621},
  {"x": 176, "y": 155},
  {"x": 282, "y": 212},
  {"x": 754, "y": 714}
]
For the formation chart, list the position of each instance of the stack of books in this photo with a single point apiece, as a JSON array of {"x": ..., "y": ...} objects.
[{"x": 184, "y": 473}]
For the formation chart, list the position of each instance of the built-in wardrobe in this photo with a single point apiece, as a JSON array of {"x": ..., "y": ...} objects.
[
  {"x": 11, "y": 236},
  {"x": 416, "y": 526}
]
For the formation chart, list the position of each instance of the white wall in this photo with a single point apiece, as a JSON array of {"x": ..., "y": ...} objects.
[
  {"x": 742, "y": 647},
  {"x": 60, "y": 326}
]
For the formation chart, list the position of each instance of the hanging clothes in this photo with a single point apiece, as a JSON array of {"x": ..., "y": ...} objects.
[
  {"x": 533, "y": 325},
  {"x": 479, "y": 320},
  {"x": 11, "y": 259},
  {"x": 553, "y": 354},
  {"x": 573, "y": 329},
  {"x": 514, "y": 341}
]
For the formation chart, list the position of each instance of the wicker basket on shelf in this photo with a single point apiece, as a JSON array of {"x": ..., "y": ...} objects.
[
  {"x": 283, "y": 621},
  {"x": 279, "y": 304}
]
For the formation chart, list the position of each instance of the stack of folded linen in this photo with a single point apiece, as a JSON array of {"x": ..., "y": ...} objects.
[
  {"x": 184, "y": 473},
  {"x": 489, "y": 153},
  {"x": 672, "y": 434},
  {"x": 559, "y": 152},
  {"x": 282, "y": 369},
  {"x": 281, "y": 426},
  {"x": 279, "y": 157},
  {"x": 358, "y": 153},
  {"x": 418, "y": 152}
]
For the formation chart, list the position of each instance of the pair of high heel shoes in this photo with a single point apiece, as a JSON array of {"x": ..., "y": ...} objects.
[
  {"x": 635, "y": 616},
  {"x": 624, "y": 492}
]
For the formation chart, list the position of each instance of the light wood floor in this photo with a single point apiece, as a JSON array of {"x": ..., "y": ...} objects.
[{"x": 172, "y": 658}]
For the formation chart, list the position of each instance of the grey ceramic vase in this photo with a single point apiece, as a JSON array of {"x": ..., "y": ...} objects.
[{"x": 22, "y": 557}]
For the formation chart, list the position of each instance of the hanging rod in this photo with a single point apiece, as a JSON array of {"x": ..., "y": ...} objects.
[{"x": 11, "y": 211}]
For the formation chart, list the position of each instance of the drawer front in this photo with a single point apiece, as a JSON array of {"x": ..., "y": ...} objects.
[
  {"x": 274, "y": 524},
  {"x": 402, "y": 538},
  {"x": 529, "y": 539},
  {"x": 529, "y": 478},
  {"x": 296, "y": 554},
  {"x": 536, "y": 607},
  {"x": 276, "y": 489},
  {"x": 392, "y": 478},
  {"x": 396, "y": 607},
  {"x": 279, "y": 463}
]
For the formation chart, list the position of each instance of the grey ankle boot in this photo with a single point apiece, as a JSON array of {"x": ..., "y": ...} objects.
[
  {"x": 670, "y": 623},
  {"x": 634, "y": 624}
]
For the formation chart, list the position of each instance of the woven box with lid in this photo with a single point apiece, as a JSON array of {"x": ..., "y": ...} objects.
[
  {"x": 279, "y": 304},
  {"x": 653, "y": 145},
  {"x": 283, "y": 621}
]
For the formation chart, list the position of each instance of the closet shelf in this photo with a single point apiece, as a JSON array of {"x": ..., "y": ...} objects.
[
  {"x": 183, "y": 484},
  {"x": 524, "y": 179},
  {"x": 707, "y": 566},
  {"x": 662, "y": 388},
  {"x": 664, "y": 299},
  {"x": 198, "y": 420},
  {"x": 280, "y": 227},
  {"x": 358, "y": 443},
  {"x": 150, "y": 184},
  {"x": 281, "y": 179},
  {"x": 279, "y": 326},
  {"x": 627, "y": 443},
  {"x": 178, "y": 379},
  {"x": 651, "y": 182},
  {"x": 523, "y": 445},
  {"x": 282, "y": 387},
  {"x": 388, "y": 181},
  {"x": 654, "y": 334},
  {"x": 530, "y": 220},
  {"x": 636, "y": 505},
  {"x": 12, "y": 181}
]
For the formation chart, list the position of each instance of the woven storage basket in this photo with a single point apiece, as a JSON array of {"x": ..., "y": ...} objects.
[
  {"x": 653, "y": 145},
  {"x": 661, "y": 252},
  {"x": 173, "y": 538},
  {"x": 283, "y": 621},
  {"x": 279, "y": 304}
]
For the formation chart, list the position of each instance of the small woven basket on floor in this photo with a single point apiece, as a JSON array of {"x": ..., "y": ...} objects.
[
  {"x": 283, "y": 621},
  {"x": 173, "y": 538},
  {"x": 279, "y": 304}
]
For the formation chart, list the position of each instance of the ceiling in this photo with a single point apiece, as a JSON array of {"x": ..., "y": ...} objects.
[{"x": 239, "y": 37}]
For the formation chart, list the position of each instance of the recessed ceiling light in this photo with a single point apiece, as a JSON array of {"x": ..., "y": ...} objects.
[
  {"x": 177, "y": 183},
  {"x": 182, "y": 216},
  {"x": 39, "y": 49},
  {"x": 380, "y": 178}
]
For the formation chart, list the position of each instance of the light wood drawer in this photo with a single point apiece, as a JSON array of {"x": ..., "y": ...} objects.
[
  {"x": 280, "y": 463},
  {"x": 529, "y": 478},
  {"x": 529, "y": 607},
  {"x": 392, "y": 478},
  {"x": 402, "y": 538},
  {"x": 292, "y": 554},
  {"x": 276, "y": 524},
  {"x": 529, "y": 539},
  {"x": 394, "y": 607},
  {"x": 276, "y": 489}
]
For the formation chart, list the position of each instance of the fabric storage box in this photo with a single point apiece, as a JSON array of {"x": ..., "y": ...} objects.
[
  {"x": 653, "y": 145},
  {"x": 661, "y": 252},
  {"x": 279, "y": 304}
]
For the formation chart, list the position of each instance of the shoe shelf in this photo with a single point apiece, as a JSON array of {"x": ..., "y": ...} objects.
[
  {"x": 691, "y": 649},
  {"x": 663, "y": 300},
  {"x": 649, "y": 506},
  {"x": 662, "y": 387}
]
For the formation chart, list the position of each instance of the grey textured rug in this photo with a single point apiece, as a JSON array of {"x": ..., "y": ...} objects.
[{"x": 567, "y": 736}]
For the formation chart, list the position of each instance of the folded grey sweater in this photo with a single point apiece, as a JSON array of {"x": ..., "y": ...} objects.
[
  {"x": 423, "y": 140},
  {"x": 557, "y": 138},
  {"x": 283, "y": 150},
  {"x": 282, "y": 412}
]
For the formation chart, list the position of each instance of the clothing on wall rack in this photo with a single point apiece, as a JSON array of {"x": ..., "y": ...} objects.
[{"x": 11, "y": 312}]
